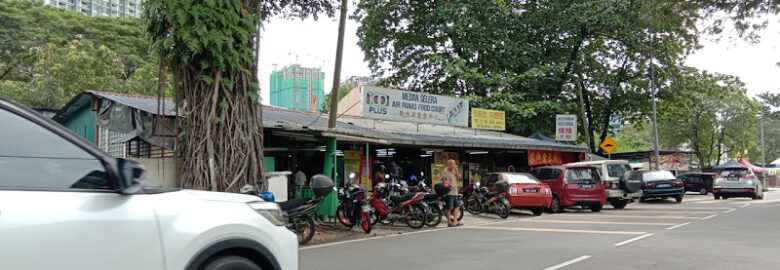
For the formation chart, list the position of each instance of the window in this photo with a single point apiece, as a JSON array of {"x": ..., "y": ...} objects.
[
  {"x": 492, "y": 180},
  {"x": 544, "y": 174},
  {"x": 520, "y": 178},
  {"x": 617, "y": 170},
  {"x": 555, "y": 173},
  {"x": 34, "y": 157},
  {"x": 658, "y": 175},
  {"x": 109, "y": 142},
  {"x": 582, "y": 176}
]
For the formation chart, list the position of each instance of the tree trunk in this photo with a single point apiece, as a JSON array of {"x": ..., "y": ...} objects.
[{"x": 589, "y": 112}]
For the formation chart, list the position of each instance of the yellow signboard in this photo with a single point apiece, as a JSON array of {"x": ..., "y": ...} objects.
[
  {"x": 488, "y": 119},
  {"x": 608, "y": 145}
]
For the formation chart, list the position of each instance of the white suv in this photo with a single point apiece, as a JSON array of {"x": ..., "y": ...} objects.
[
  {"x": 64, "y": 204},
  {"x": 620, "y": 189}
]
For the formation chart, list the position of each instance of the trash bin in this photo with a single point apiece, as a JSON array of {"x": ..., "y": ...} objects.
[{"x": 277, "y": 184}]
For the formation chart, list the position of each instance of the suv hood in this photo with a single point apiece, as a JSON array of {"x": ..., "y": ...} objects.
[{"x": 222, "y": 196}]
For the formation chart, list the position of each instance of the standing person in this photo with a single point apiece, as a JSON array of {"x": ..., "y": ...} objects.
[
  {"x": 511, "y": 168},
  {"x": 300, "y": 181},
  {"x": 452, "y": 176},
  {"x": 396, "y": 171},
  {"x": 379, "y": 176}
]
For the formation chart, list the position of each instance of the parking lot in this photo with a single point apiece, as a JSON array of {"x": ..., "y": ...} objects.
[{"x": 701, "y": 231}]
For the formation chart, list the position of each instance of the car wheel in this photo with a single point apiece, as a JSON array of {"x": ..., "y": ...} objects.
[
  {"x": 619, "y": 204},
  {"x": 703, "y": 191},
  {"x": 537, "y": 211},
  {"x": 231, "y": 262},
  {"x": 678, "y": 198},
  {"x": 555, "y": 206},
  {"x": 642, "y": 199},
  {"x": 717, "y": 197},
  {"x": 596, "y": 208}
]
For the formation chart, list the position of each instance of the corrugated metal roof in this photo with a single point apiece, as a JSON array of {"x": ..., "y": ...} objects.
[{"x": 144, "y": 103}]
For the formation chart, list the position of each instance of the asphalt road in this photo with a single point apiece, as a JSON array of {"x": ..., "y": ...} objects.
[{"x": 698, "y": 233}]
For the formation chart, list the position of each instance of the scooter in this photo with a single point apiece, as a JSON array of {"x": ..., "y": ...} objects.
[
  {"x": 408, "y": 208},
  {"x": 435, "y": 209},
  {"x": 353, "y": 207},
  {"x": 483, "y": 200}
]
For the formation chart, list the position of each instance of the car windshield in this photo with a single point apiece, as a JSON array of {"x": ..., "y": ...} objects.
[
  {"x": 617, "y": 170},
  {"x": 582, "y": 176},
  {"x": 657, "y": 175},
  {"x": 521, "y": 178}
]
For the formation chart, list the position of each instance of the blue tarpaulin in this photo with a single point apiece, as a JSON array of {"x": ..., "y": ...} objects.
[{"x": 731, "y": 165}]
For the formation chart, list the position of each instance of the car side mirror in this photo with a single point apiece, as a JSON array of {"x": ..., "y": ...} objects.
[{"x": 131, "y": 175}]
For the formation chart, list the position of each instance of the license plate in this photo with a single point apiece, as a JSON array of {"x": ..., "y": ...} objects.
[
  {"x": 531, "y": 190},
  {"x": 366, "y": 208},
  {"x": 664, "y": 185},
  {"x": 586, "y": 186},
  {"x": 733, "y": 179}
]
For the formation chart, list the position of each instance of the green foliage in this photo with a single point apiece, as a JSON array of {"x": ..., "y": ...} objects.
[
  {"x": 344, "y": 89},
  {"x": 524, "y": 116},
  {"x": 635, "y": 137}
]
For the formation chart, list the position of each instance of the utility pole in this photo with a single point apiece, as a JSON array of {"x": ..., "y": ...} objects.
[
  {"x": 334, "y": 101},
  {"x": 763, "y": 148},
  {"x": 655, "y": 113}
]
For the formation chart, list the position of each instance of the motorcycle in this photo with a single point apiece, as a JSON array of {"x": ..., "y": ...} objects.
[
  {"x": 483, "y": 200},
  {"x": 353, "y": 207},
  {"x": 408, "y": 208},
  {"x": 435, "y": 209},
  {"x": 299, "y": 210}
]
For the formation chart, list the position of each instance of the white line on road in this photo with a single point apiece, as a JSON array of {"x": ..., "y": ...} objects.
[
  {"x": 744, "y": 205},
  {"x": 729, "y": 211},
  {"x": 633, "y": 239},
  {"x": 678, "y": 226},
  {"x": 708, "y": 217},
  {"x": 567, "y": 263}
]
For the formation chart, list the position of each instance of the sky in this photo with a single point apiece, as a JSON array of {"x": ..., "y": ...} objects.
[{"x": 313, "y": 44}]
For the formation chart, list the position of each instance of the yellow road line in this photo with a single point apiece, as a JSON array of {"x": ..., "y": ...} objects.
[
  {"x": 552, "y": 230},
  {"x": 664, "y": 212},
  {"x": 598, "y": 222},
  {"x": 683, "y": 208},
  {"x": 629, "y": 216}
]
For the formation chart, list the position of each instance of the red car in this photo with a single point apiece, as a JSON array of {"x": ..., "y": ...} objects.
[
  {"x": 525, "y": 191},
  {"x": 573, "y": 186}
]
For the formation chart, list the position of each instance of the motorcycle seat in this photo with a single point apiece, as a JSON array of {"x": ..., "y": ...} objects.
[
  {"x": 292, "y": 204},
  {"x": 491, "y": 194},
  {"x": 401, "y": 198},
  {"x": 431, "y": 197}
]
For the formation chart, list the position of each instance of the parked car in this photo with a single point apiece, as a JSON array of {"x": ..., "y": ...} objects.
[
  {"x": 620, "y": 190},
  {"x": 525, "y": 191},
  {"x": 572, "y": 186},
  {"x": 660, "y": 184},
  {"x": 66, "y": 204},
  {"x": 733, "y": 183},
  {"x": 697, "y": 182}
]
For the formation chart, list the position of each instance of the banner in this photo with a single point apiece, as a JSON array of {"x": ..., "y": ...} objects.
[
  {"x": 566, "y": 127},
  {"x": 398, "y": 105},
  {"x": 544, "y": 157},
  {"x": 488, "y": 119}
]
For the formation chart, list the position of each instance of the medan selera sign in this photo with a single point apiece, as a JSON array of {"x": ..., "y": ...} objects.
[{"x": 399, "y": 105}]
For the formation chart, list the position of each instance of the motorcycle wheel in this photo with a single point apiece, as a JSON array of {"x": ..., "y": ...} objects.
[
  {"x": 415, "y": 216},
  {"x": 365, "y": 223},
  {"x": 460, "y": 212},
  {"x": 502, "y": 209},
  {"x": 474, "y": 207},
  {"x": 433, "y": 216},
  {"x": 343, "y": 216},
  {"x": 303, "y": 226}
]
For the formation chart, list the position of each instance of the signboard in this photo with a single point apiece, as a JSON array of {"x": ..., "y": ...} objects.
[
  {"x": 398, "y": 105},
  {"x": 566, "y": 127},
  {"x": 608, "y": 145},
  {"x": 488, "y": 119},
  {"x": 544, "y": 157}
]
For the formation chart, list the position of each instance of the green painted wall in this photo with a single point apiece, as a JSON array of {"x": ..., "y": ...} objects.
[
  {"x": 83, "y": 123},
  {"x": 269, "y": 163}
]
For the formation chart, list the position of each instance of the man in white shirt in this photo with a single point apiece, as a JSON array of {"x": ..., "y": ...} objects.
[{"x": 300, "y": 182}]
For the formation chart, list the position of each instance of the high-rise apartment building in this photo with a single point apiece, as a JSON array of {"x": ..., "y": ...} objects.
[
  {"x": 298, "y": 88},
  {"x": 108, "y": 8}
]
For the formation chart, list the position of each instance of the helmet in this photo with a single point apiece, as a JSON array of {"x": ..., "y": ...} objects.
[{"x": 413, "y": 180}]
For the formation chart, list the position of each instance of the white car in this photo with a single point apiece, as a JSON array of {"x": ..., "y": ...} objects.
[
  {"x": 620, "y": 189},
  {"x": 64, "y": 204}
]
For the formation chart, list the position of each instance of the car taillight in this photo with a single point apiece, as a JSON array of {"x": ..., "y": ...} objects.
[
  {"x": 717, "y": 189},
  {"x": 361, "y": 196},
  {"x": 607, "y": 184},
  {"x": 751, "y": 190},
  {"x": 678, "y": 184},
  {"x": 750, "y": 176},
  {"x": 650, "y": 185},
  {"x": 513, "y": 190},
  {"x": 547, "y": 191}
]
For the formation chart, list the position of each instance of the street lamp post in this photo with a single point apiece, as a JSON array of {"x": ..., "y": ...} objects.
[{"x": 655, "y": 113}]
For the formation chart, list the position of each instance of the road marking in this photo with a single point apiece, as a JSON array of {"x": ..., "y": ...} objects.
[
  {"x": 711, "y": 201},
  {"x": 708, "y": 217},
  {"x": 678, "y": 226},
  {"x": 567, "y": 263},
  {"x": 599, "y": 222},
  {"x": 745, "y": 205},
  {"x": 633, "y": 239},
  {"x": 552, "y": 230},
  {"x": 685, "y": 208},
  {"x": 666, "y": 212},
  {"x": 730, "y": 210},
  {"x": 756, "y": 202},
  {"x": 630, "y": 216},
  {"x": 402, "y": 234}
]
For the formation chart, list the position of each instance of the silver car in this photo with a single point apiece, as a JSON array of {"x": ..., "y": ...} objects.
[{"x": 740, "y": 182}]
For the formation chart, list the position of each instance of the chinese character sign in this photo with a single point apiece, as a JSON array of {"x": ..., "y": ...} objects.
[
  {"x": 543, "y": 157},
  {"x": 488, "y": 119},
  {"x": 566, "y": 127},
  {"x": 397, "y": 105}
]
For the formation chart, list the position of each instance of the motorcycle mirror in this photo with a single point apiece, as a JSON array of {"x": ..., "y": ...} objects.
[
  {"x": 422, "y": 173},
  {"x": 352, "y": 175}
]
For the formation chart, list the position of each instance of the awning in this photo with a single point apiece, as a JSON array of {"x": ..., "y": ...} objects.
[
  {"x": 731, "y": 165},
  {"x": 751, "y": 166}
]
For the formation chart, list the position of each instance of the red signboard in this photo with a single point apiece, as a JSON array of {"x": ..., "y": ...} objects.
[{"x": 543, "y": 157}]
